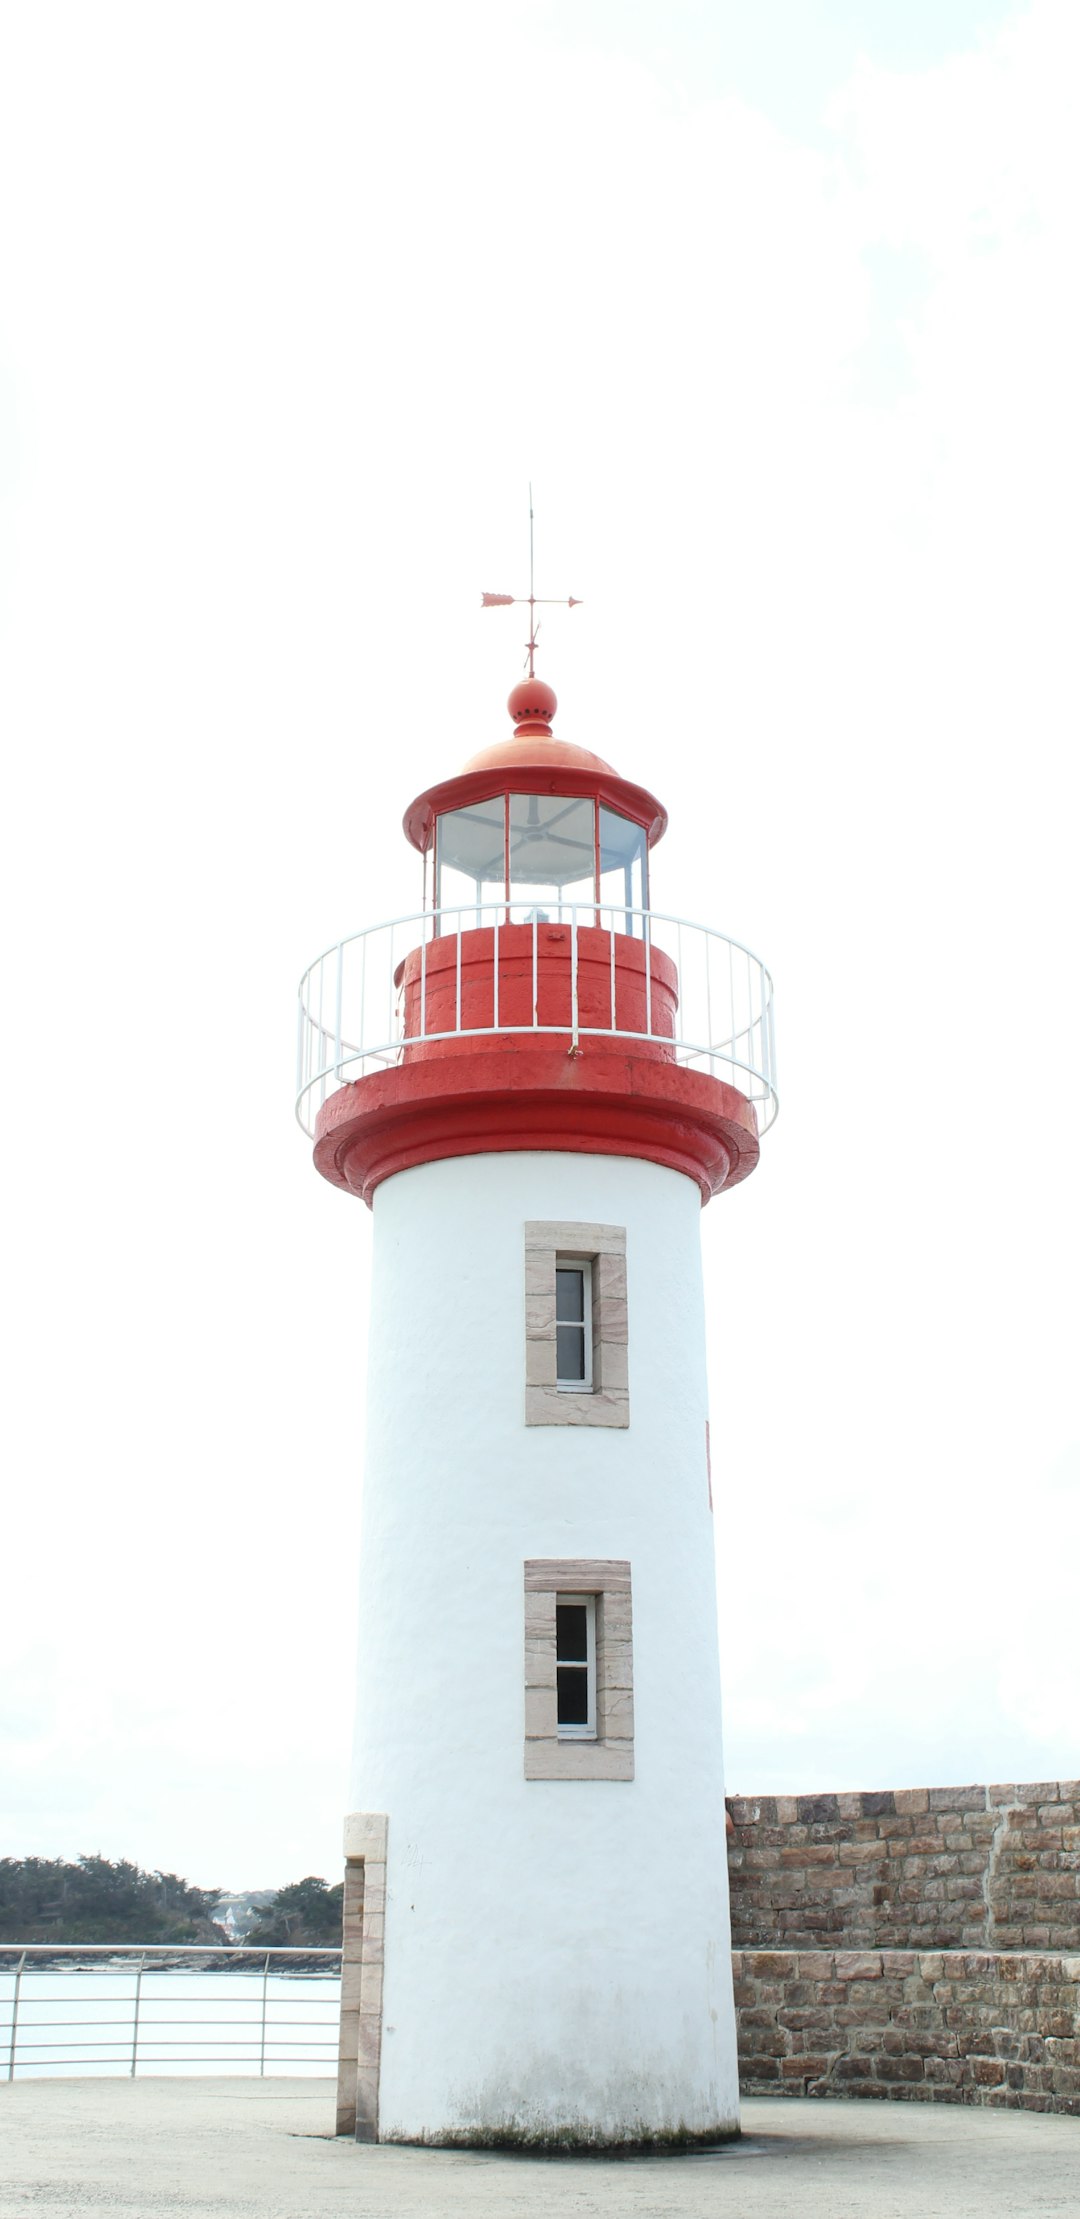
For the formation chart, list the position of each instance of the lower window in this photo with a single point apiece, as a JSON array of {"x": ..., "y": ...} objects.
[
  {"x": 575, "y": 1667},
  {"x": 579, "y": 1681}
]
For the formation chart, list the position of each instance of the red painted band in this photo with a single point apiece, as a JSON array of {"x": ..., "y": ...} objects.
[
  {"x": 473, "y": 786},
  {"x": 603, "y": 1101},
  {"x": 449, "y": 987}
]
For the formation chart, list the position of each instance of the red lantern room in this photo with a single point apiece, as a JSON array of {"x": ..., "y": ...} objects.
[{"x": 538, "y": 1001}]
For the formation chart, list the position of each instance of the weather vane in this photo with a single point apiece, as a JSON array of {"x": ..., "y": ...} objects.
[{"x": 510, "y": 600}]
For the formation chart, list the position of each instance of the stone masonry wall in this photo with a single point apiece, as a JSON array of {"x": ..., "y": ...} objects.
[
  {"x": 918, "y": 1942},
  {"x": 983, "y": 1868},
  {"x": 999, "y": 2028}
]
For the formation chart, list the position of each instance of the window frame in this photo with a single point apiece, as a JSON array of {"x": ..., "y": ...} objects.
[
  {"x": 583, "y": 1264},
  {"x": 493, "y": 889},
  {"x": 551, "y": 1753},
  {"x": 605, "y": 1401},
  {"x": 587, "y": 1731}
]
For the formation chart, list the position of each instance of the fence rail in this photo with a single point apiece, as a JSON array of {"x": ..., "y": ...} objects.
[
  {"x": 355, "y": 1015},
  {"x": 152, "y": 2008}
]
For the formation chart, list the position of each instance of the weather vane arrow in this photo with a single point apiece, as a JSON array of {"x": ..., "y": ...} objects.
[{"x": 531, "y": 600}]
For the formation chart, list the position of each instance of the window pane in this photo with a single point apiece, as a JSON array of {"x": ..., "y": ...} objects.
[
  {"x": 573, "y": 1695},
  {"x": 571, "y": 1633},
  {"x": 470, "y": 842},
  {"x": 622, "y": 868},
  {"x": 552, "y": 857},
  {"x": 569, "y": 1351},
  {"x": 569, "y": 1296}
]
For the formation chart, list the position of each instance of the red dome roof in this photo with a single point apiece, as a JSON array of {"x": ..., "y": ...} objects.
[
  {"x": 531, "y": 752},
  {"x": 532, "y": 704},
  {"x": 536, "y": 762}
]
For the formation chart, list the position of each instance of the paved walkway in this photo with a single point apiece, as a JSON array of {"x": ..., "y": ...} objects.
[{"x": 251, "y": 2149}]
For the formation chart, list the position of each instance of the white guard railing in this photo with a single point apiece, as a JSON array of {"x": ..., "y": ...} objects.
[
  {"x": 107, "y": 2008},
  {"x": 351, "y": 1012}
]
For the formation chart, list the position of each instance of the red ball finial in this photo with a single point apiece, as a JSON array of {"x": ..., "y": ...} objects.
[{"x": 532, "y": 705}]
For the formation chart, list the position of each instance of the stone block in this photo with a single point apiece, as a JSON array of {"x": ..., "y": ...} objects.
[
  {"x": 909, "y": 1801},
  {"x": 540, "y": 1314},
  {"x": 902, "y": 2070},
  {"x": 540, "y": 1364},
  {"x": 847, "y": 2069},
  {"x": 614, "y": 1319},
  {"x": 818, "y": 1810},
  {"x": 365, "y": 1835},
  {"x": 878, "y": 1804},
  {"x": 957, "y": 1799},
  {"x": 857, "y": 1964},
  {"x": 613, "y": 1366},
  {"x": 818, "y": 1964}
]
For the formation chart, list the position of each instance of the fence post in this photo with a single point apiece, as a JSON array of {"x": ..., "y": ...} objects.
[
  {"x": 15, "y": 2015},
  {"x": 262, "y": 2029},
  {"x": 135, "y": 2026}
]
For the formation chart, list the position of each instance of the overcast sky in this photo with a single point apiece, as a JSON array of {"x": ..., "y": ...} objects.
[{"x": 776, "y": 305}]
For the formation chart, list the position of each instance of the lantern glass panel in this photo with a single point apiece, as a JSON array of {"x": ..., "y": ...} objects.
[
  {"x": 470, "y": 857},
  {"x": 552, "y": 856},
  {"x": 623, "y": 871}
]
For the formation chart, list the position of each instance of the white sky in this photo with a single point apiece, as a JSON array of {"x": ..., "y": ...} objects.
[{"x": 776, "y": 306}]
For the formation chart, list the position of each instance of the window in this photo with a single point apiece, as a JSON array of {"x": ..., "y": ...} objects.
[
  {"x": 575, "y": 1667},
  {"x": 576, "y": 1325},
  {"x": 545, "y": 855},
  {"x": 579, "y": 1678},
  {"x": 573, "y": 1324}
]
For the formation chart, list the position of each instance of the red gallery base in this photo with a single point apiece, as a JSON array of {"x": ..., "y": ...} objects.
[{"x": 601, "y": 1101}]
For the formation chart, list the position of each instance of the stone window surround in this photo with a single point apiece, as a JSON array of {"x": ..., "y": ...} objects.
[
  {"x": 363, "y": 1934},
  {"x": 548, "y": 1755},
  {"x": 607, "y": 1401}
]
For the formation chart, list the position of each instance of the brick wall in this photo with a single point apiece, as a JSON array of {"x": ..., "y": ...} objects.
[
  {"x": 956, "y": 2026},
  {"x": 915, "y": 1868}
]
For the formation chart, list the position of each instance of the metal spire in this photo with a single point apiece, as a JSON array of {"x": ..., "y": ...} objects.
[{"x": 532, "y": 599}]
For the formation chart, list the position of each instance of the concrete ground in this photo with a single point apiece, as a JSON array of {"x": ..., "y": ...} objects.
[{"x": 259, "y": 2149}]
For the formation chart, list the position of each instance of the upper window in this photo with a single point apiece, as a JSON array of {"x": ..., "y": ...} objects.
[
  {"x": 576, "y": 1327},
  {"x": 573, "y": 1324},
  {"x": 542, "y": 856}
]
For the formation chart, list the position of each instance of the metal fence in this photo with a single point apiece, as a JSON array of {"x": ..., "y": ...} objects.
[
  {"x": 352, "y": 1011},
  {"x": 166, "y": 2008}
]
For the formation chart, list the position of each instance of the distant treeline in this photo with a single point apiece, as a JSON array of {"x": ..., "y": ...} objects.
[{"x": 44, "y": 1899}]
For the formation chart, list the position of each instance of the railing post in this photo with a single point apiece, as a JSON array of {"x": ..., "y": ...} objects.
[
  {"x": 301, "y": 1042},
  {"x": 15, "y": 2015},
  {"x": 262, "y": 2026},
  {"x": 337, "y": 1012},
  {"x": 135, "y": 2025},
  {"x": 573, "y": 979}
]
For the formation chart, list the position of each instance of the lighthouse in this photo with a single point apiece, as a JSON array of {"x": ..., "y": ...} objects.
[{"x": 535, "y": 1083}]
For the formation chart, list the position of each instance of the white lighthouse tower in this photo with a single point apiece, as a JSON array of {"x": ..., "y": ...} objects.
[{"x": 535, "y": 1083}]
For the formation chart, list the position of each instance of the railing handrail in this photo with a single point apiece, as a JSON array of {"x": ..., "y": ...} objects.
[
  {"x": 354, "y": 1000},
  {"x": 42, "y": 1975},
  {"x": 169, "y": 1949},
  {"x": 479, "y": 908}
]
